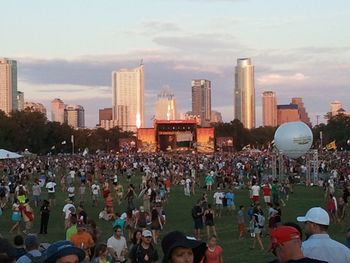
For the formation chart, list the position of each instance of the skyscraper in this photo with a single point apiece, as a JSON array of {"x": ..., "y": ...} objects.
[
  {"x": 20, "y": 100},
  {"x": 269, "y": 108},
  {"x": 165, "y": 105},
  {"x": 245, "y": 92},
  {"x": 304, "y": 117},
  {"x": 201, "y": 100},
  {"x": 34, "y": 107},
  {"x": 8, "y": 85},
  {"x": 57, "y": 110},
  {"x": 75, "y": 116},
  {"x": 128, "y": 98},
  {"x": 335, "y": 107}
]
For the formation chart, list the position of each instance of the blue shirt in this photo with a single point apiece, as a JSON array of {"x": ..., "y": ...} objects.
[
  {"x": 25, "y": 259},
  {"x": 322, "y": 247},
  {"x": 229, "y": 198}
]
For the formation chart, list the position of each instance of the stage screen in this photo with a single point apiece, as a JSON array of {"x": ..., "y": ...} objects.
[
  {"x": 146, "y": 140},
  {"x": 205, "y": 140}
]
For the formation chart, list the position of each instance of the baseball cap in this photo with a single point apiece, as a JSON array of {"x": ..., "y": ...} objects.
[
  {"x": 283, "y": 234},
  {"x": 61, "y": 249},
  {"x": 146, "y": 233},
  {"x": 178, "y": 239},
  {"x": 315, "y": 215}
]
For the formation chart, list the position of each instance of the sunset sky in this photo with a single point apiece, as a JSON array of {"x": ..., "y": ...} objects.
[{"x": 67, "y": 49}]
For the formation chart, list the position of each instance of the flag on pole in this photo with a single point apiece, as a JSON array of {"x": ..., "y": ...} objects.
[
  {"x": 331, "y": 146},
  {"x": 72, "y": 138},
  {"x": 53, "y": 147},
  {"x": 64, "y": 142}
]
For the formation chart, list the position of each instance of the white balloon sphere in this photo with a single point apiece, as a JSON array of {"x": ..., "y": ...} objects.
[{"x": 293, "y": 139}]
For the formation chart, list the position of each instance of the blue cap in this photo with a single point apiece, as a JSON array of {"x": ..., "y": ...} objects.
[{"x": 61, "y": 249}]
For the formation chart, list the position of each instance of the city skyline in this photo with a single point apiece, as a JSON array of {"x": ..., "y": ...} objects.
[{"x": 298, "y": 48}]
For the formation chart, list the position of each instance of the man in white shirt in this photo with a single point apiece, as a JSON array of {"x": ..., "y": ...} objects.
[
  {"x": 256, "y": 193},
  {"x": 117, "y": 246},
  {"x": 50, "y": 186},
  {"x": 95, "y": 190},
  {"x": 218, "y": 197},
  {"x": 319, "y": 245}
]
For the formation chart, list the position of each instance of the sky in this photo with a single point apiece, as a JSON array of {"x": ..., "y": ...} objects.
[{"x": 67, "y": 49}]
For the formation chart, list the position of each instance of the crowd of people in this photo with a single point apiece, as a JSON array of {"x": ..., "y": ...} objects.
[{"x": 29, "y": 185}]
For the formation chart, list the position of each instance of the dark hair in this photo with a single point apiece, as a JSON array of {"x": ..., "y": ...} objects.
[
  {"x": 100, "y": 248},
  {"x": 241, "y": 206},
  {"x": 73, "y": 220},
  {"x": 18, "y": 240},
  {"x": 7, "y": 251},
  {"x": 134, "y": 240}
]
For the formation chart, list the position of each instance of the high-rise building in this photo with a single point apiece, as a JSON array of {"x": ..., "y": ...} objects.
[
  {"x": 34, "y": 107},
  {"x": 75, "y": 116},
  {"x": 245, "y": 92},
  {"x": 201, "y": 100},
  {"x": 57, "y": 111},
  {"x": 287, "y": 113},
  {"x": 128, "y": 98},
  {"x": 335, "y": 107},
  {"x": 105, "y": 114},
  {"x": 20, "y": 100},
  {"x": 304, "y": 117},
  {"x": 269, "y": 109},
  {"x": 216, "y": 117},
  {"x": 8, "y": 85},
  {"x": 165, "y": 105}
]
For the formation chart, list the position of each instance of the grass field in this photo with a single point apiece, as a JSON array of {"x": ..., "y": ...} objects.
[{"x": 178, "y": 211}]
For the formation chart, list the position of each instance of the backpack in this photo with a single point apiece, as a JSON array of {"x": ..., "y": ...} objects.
[
  {"x": 38, "y": 259},
  {"x": 2, "y": 192},
  {"x": 261, "y": 220}
]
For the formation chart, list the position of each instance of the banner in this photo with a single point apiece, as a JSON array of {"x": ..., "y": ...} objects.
[
  {"x": 331, "y": 146},
  {"x": 184, "y": 136}
]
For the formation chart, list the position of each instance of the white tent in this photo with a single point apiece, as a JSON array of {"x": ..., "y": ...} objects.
[{"x": 8, "y": 155}]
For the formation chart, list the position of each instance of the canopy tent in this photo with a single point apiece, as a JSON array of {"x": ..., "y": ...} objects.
[{"x": 4, "y": 154}]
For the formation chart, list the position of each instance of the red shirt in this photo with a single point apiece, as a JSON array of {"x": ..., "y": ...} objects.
[
  {"x": 266, "y": 190},
  {"x": 213, "y": 256}
]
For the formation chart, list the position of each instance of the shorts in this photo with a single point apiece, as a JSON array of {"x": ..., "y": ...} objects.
[
  {"x": 16, "y": 216},
  {"x": 257, "y": 230},
  {"x": 51, "y": 195},
  {"x": 255, "y": 198},
  {"x": 209, "y": 223},
  {"x": 36, "y": 198},
  {"x": 267, "y": 199},
  {"x": 198, "y": 223}
]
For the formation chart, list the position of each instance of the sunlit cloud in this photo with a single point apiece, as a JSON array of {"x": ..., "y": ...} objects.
[{"x": 272, "y": 79}]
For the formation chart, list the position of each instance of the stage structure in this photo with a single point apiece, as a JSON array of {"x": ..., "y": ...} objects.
[
  {"x": 176, "y": 136},
  {"x": 311, "y": 163}
]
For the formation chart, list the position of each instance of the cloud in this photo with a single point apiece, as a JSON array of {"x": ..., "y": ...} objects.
[
  {"x": 273, "y": 79},
  {"x": 160, "y": 26}
]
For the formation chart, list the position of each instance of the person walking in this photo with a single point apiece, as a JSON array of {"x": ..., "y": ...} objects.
[
  {"x": 209, "y": 220},
  {"x": 319, "y": 245},
  {"x": 197, "y": 214},
  {"x": 117, "y": 246}
]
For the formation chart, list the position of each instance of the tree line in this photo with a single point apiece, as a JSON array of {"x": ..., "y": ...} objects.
[{"x": 22, "y": 130}]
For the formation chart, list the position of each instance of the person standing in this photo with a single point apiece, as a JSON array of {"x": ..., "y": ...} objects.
[
  {"x": 95, "y": 191},
  {"x": 213, "y": 254},
  {"x": 209, "y": 220},
  {"x": 45, "y": 215},
  {"x": 36, "y": 191},
  {"x": 318, "y": 244},
  {"x": 230, "y": 197},
  {"x": 197, "y": 216},
  {"x": 33, "y": 254},
  {"x": 145, "y": 251},
  {"x": 255, "y": 193},
  {"x": 82, "y": 239},
  {"x": 285, "y": 244},
  {"x": 117, "y": 246},
  {"x": 218, "y": 197},
  {"x": 240, "y": 221},
  {"x": 267, "y": 192},
  {"x": 16, "y": 217},
  {"x": 27, "y": 215},
  {"x": 51, "y": 191}
]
